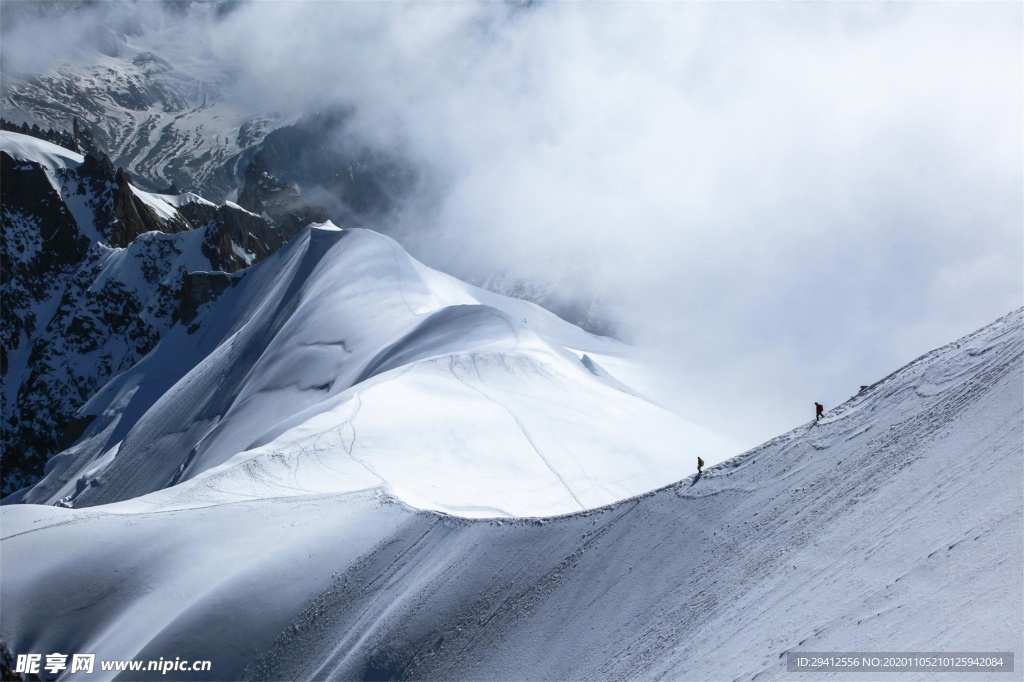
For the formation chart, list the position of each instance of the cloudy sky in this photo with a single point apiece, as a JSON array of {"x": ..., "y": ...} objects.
[{"x": 787, "y": 200}]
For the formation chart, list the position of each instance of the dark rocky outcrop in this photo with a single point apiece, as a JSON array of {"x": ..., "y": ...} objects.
[
  {"x": 66, "y": 328},
  {"x": 28, "y": 191},
  {"x": 8, "y": 663},
  {"x": 197, "y": 289},
  {"x": 264, "y": 194},
  {"x": 228, "y": 227},
  {"x": 119, "y": 214},
  {"x": 69, "y": 321},
  {"x": 133, "y": 217}
]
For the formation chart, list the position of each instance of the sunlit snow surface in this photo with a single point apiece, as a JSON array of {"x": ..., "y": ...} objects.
[
  {"x": 894, "y": 524},
  {"x": 342, "y": 364},
  {"x": 27, "y": 148}
]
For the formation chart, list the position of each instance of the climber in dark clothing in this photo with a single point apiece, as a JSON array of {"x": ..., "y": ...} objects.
[
  {"x": 820, "y": 411},
  {"x": 700, "y": 464}
]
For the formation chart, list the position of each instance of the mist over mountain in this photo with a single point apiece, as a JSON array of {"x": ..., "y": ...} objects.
[
  {"x": 454, "y": 340},
  {"x": 778, "y": 203},
  {"x": 847, "y": 178},
  {"x": 169, "y": 119}
]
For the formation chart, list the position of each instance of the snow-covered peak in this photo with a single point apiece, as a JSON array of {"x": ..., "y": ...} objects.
[
  {"x": 342, "y": 364},
  {"x": 167, "y": 205}
]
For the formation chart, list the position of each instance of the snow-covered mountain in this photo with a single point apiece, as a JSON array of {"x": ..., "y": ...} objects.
[
  {"x": 171, "y": 117},
  {"x": 169, "y": 114},
  {"x": 303, "y": 539},
  {"x": 234, "y": 431},
  {"x": 155, "y": 103},
  {"x": 164, "y": 124},
  {"x": 95, "y": 271},
  {"x": 342, "y": 364}
]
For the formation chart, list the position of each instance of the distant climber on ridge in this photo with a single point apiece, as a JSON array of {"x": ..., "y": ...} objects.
[
  {"x": 700, "y": 464},
  {"x": 819, "y": 411}
]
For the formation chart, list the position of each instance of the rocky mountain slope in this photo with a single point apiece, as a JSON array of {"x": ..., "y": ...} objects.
[
  {"x": 894, "y": 524},
  {"x": 166, "y": 123},
  {"x": 94, "y": 272},
  {"x": 156, "y": 122},
  {"x": 167, "y": 113}
]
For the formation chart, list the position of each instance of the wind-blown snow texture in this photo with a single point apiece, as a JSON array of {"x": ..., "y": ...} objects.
[{"x": 893, "y": 524}]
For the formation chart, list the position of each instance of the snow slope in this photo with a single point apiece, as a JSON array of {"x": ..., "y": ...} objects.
[
  {"x": 894, "y": 524},
  {"x": 342, "y": 364},
  {"x": 93, "y": 276}
]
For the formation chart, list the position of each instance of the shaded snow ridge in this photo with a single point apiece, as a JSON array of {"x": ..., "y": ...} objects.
[
  {"x": 894, "y": 524},
  {"x": 95, "y": 272},
  {"x": 342, "y": 364}
]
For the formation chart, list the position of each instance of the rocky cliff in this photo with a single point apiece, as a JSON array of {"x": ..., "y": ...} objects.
[{"x": 94, "y": 272}]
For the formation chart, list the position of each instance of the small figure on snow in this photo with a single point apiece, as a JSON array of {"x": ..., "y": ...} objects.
[
  {"x": 700, "y": 465},
  {"x": 819, "y": 411}
]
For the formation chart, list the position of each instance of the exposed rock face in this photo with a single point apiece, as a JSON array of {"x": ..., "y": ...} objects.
[
  {"x": 265, "y": 195},
  {"x": 27, "y": 191},
  {"x": 198, "y": 289},
  {"x": 94, "y": 272},
  {"x": 41, "y": 243},
  {"x": 133, "y": 217},
  {"x": 234, "y": 229}
]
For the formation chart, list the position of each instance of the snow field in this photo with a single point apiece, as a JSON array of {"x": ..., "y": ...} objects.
[{"x": 892, "y": 525}]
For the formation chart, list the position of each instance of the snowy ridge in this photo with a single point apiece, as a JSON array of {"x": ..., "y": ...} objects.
[
  {"x": 27, "y": 148},
  {"x": 166, "y": 205},
  {"x": 342, "y": 364},
  {"x": 57, "y": 163},
  {"x": 95, "y": 270},
  {"x": 893, "y": 524}
]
